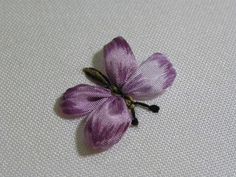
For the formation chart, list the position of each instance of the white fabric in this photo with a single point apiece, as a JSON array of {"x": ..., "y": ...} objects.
[{"x": 45, "y": 44}]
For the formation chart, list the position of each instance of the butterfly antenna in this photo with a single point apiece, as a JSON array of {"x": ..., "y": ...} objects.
[
  {"x": 153, "y": 108},
  {"x": 135, "y": 120}
]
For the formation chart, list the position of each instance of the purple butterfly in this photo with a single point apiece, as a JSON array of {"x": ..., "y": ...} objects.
[{"x": 110, "y": 108}]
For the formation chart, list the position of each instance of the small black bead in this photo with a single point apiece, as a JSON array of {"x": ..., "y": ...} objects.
[
  {"x": 154, "y": 108},
  {"x": 135, "y": 122}
]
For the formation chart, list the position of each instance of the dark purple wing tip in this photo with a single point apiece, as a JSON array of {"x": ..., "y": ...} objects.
[
  {"x": 163, "y": 61},
  {"x": 171, "y": 77},
  {"x": 118, "y": 42}
]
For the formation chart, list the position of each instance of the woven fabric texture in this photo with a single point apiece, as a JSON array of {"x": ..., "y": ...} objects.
[{"x": 45, "y": 44}]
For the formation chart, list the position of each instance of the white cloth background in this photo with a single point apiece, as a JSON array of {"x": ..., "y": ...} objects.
[{"x": 45, "y": 44}]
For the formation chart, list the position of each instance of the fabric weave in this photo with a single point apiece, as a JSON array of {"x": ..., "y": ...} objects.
[{"x": 44, "y": 45}]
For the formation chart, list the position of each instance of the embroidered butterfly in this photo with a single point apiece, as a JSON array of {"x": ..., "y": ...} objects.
[{"x": 110, "y": 107}]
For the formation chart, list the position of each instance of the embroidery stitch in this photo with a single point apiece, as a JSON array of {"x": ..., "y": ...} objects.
[{"x": 110, "y": 107}]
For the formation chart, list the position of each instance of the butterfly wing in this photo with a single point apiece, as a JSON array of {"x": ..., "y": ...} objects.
[
  {"x": 152, "y": 78},
  {"x": 106, "y": 125},
  {"x": 120, "y": 62},
  {"x": 82, "y": 99}
]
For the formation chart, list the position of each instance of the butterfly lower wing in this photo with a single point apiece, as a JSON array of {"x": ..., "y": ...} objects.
[
  {"x": 82, "y": 99},
  {"x": 106, "y": 125}
]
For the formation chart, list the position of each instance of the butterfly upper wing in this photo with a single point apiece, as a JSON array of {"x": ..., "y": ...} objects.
[
  {"x": 151, "y": 79},
  {"x": 120, "y": 62},
  {"x": 106, "y": 125}
]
